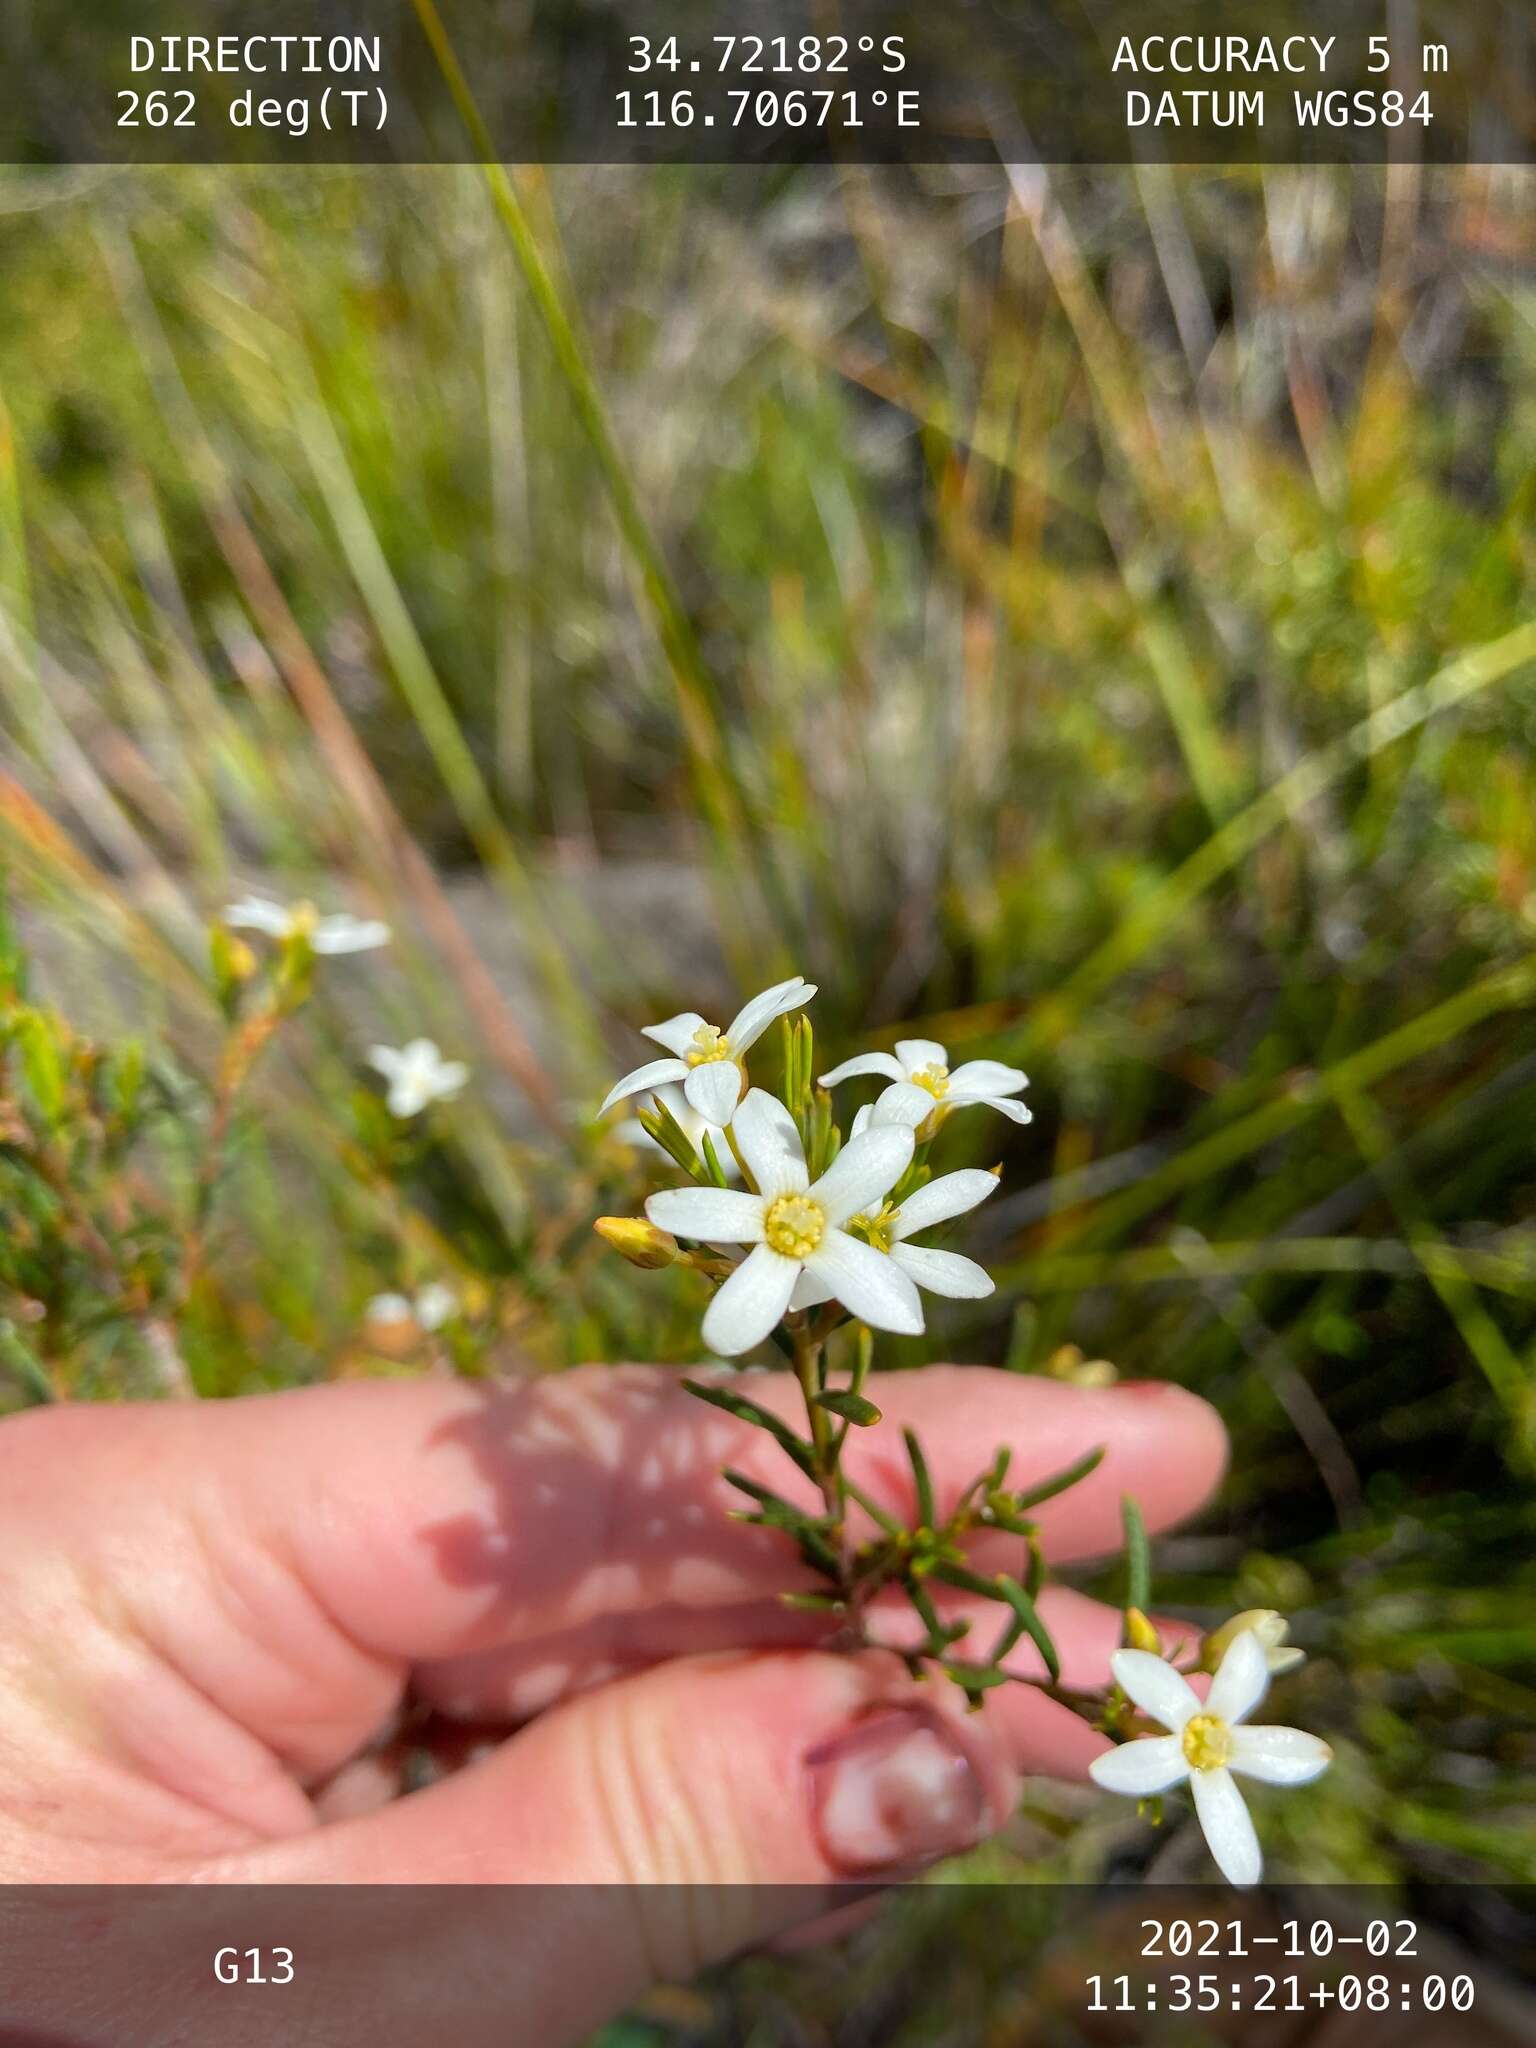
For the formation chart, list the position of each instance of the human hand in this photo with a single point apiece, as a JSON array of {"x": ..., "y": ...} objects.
[{"x": 215, "y": 1617}]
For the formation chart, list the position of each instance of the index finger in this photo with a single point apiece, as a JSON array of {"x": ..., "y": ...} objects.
[{"x": 430, "y": 1519}]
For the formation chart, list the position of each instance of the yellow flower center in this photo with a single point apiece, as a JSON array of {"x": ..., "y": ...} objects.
[
  {"x": 879, "y": 1229},
  {"x": 303, "y": 917},
  {"x": 709, "y": 1044},
  {"x": 794, "y": 1225},
  {"x": 934, "y": 1079},
  {"x": 1207, "y": 1742}
]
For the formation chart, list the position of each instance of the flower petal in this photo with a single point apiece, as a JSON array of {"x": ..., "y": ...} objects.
[
  {"x": 864, "y": 1172},
  {"x": 950, "y": 1195},
  {"x": 1241, "y": 1680},
  {"x": 753, "y": 1018},
  {"x": 384, "y": 1059},
  {"x": 714, "y": 1090},
  {"x": 1279, "y": 1756},
  {"x": 809, "y": 1291},
  {"x": 676, "y": 1033},
  {"x": 451, "y": 1076},
  {"x": 943, "y": 1272},
  {"x": 259, "y": 914},
  {"x": 346, "y": 934},
  {"x": 770, "y": 1144},
  {"x": 710, "y": 1215},
  {"x": 652, "y": 1075},
  {"x": 1228, "y": 1828},
  {"x": 1155, "y": 1687},
  {"x": 902, "y": 1103},
  {"x": 1017, "y": 1112},
  {"x": 869, "y": 1284},
  {"x": 751, "y": 1301},
  {"x": 981, "y": 1078},
  {"x": 916, "y": 1053},
  {"x": 883, "y": 1063},
  {"x": 1152, "y": 1763}
]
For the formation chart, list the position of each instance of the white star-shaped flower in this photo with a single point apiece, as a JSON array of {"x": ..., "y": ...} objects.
[
  {"x": 794, "y": 1227},
  {"x": 417, "y": 1075},
  {"x": 921, "y": 1082},
  {"x": 689, "y": 1122},
  {"x": 339, "y": 933},
  {"x": 888, "y": 1228},
  {"x": 1206, "y": 1744},
  {"x": 707, "y": 1060}
]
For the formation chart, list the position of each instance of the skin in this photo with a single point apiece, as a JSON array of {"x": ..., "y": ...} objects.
[{"x": 216, "y": 1616}]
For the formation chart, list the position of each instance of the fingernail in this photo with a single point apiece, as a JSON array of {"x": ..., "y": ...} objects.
[{"x": 896, "y": 1790}]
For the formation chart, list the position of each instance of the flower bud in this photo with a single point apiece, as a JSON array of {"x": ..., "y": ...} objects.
[
  {"x": 1140, "y": 1634},
  {"x": 638, "y": 1241},
  {"x": 1270, "y": 1628},
  {"x": 1067, "y": 1363}
]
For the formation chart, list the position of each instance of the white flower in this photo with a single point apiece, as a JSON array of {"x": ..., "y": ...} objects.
[
  {"x": 417, "y": 1075},
  {"x": 433, "y": 1306},
  {"x": 692, "y": 1125},
  {"x": 921, "y": 1082},
  {"x": 794, "y": 1228},
  {"x": 390, "y": 1308},
  {"x": 888, "y": 1228},
  {"x": 1206, "y": 1745},
  {"x": 340, "y": 933},
  {"x": 1271, "y": 1629},
  {"x": 707, "y": 1060}
]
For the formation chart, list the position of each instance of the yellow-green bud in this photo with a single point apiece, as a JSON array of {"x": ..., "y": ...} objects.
[
  {"x": 638, "y": 1241},
  {"x": 1140, "y": 1634},
  {"x": 1271, "y": 1629}
]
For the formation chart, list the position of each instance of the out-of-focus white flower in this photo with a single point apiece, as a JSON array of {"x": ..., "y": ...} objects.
[
  {"x": 1270, "y": 1627},
  {"x": 1206, "y": 1744},
  {"x": 888, "y": 1228},
  {"x": 339, "y": 933},
  {"x": 417, "y": 1075},
  {"x": 795, "y": 1227},
  {"x": 692, "y": 1125},
  {"x": 390, "y": 1308},
  {"x": 707, "y": 1060},
  {"x": 433, "y": 1306},
  {"x": 921, "y": 1083}
]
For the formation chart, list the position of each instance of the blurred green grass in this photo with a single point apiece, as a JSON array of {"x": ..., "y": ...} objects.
[{"x": 1087, "y": 619}]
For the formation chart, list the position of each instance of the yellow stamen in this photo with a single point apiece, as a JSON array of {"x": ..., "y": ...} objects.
[
  {"x": 879, "y": 1229},
  {"x": 934, "y": 1079},
  {"x": 794, "y": 1225},
  {"x": 709, "y": 1044},
  {"x": 1207, "y": 1742}
]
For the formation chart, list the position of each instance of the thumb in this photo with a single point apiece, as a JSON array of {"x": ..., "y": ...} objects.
[{"x": 660, "y": 1823}]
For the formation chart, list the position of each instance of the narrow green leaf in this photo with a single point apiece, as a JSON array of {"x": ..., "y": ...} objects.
[
  {"x": 1138, "y": 1557},
  {"x": 748, "y": 1411},
  {"x": 872, "y": 1508},
  {"x": 850, "y": 1406},
  {"x": 940, "y": 1633},
  {"x": 973, "y": 1679},
  {"x": 1027, "y": 1615},
  {"x": 712, "y": 1161},
  {"x": 815, "y": 1603},
  {"x": 659, "y": 1123},
  {"x": 18, "y": 1358},
  {"x": 1059, "y": 1481},
  {"x": 921, "y": 1479},
  {"x": 41, "y": 1062}
]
